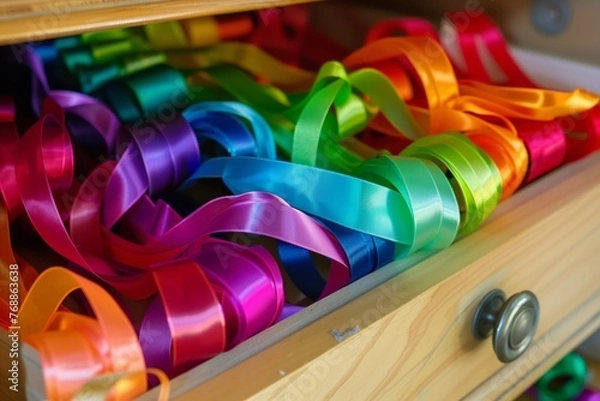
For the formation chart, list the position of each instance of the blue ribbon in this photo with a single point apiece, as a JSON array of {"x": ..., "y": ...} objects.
[{"x": 365, "y": 254}]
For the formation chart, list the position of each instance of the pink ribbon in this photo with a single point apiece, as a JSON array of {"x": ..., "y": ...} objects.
[{"x": 211, "y": 293}]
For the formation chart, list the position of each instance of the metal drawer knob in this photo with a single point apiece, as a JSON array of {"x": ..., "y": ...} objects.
[{"x": 512, "y": 322}]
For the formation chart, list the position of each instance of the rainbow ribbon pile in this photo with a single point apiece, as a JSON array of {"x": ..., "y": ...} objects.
[{"x": 199, "y": 176}]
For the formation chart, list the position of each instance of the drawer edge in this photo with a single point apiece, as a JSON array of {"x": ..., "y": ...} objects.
[{"x": 515, "y": 378}]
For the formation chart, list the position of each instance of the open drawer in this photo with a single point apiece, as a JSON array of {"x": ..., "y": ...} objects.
[
  {"x": 405, "y": 331},
  {"x": 410, "y": 336}
]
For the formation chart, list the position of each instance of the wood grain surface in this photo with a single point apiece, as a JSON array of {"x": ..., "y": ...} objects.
[
  {"x": 29, "y": 20},
  {"x": 410, "y": 337}
]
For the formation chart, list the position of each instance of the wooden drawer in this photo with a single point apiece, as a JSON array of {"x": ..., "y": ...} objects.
[
  {"x": 404, "y": 332},
  {"x": 410, "y": 338}
]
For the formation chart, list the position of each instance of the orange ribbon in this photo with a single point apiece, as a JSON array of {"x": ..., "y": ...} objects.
[
  {"x": 441, "y": 90},
  {"x": 525, "y": 103},
  {"x": 74, "y": 348}
]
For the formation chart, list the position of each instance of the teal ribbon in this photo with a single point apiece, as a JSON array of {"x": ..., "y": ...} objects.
[{"x": 415, "y": 214}]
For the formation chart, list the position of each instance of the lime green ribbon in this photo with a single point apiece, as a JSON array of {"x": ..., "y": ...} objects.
[
  {"x": 475, "y": 178},
  {"x": 405, "y": 175},
  {"x": 335, "y": 108}
]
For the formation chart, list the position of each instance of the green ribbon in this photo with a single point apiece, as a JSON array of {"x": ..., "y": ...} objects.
[
  {"x": 148, "y": 94},
  {"x": 475, "y": 178},
  {"x": 565, "y": 381},
  {"x": 309, "y": 128},
  {"x": 409, "y": 176}
]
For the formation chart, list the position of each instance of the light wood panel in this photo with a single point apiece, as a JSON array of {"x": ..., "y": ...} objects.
[
  {"x": 517, "y": 377},
  {"x": 410, "y": 338},
  {"x": 34, "y": 20}
]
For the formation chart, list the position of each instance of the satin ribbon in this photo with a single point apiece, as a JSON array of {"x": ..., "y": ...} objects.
[
  {"x": 442, "y": 93},
  {"x": 407, "y": 26},
  {"x": 531, "y": 101},
  {"x": 75, "y": 348},
  {"x": 365, "y": 254},
  {"x": 383, "y": 212},
  {"x": 546, "y": 144},
  {"x": 573, "y": 369},
  {"x": 475, "y": 178},
  {"x": 589, "y": 395},
  {"x": 400, "y": 71},
  {"x": 281, "y": 32},
  {"x": 94, "y": 59},
  {"x": 164, "y": 236},
  {"x": 481, "y": 30},
  {"x": 8, "y": 151}
]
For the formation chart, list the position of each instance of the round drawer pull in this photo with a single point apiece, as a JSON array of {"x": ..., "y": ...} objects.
[{"x": 512, "y": 322}]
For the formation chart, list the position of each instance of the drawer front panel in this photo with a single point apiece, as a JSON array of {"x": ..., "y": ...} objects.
[{"x": 410, "y": 338}]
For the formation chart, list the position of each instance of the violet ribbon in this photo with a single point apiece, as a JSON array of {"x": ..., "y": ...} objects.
[
  {"x": 111, "y": 226},
  {"x": 589, "y": 395},
  {"x": 215, "y": 305}
]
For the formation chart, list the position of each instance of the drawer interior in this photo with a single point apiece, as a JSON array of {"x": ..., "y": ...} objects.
[{"x": 404, "y": 283}]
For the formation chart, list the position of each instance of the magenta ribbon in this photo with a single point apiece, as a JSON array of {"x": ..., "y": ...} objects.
[
  {"x": 209, "y": 294},
  {"x": 589, "y": 395},
  {"x": 582, "y": 132},
  {"x": 9, "y": 136},
  {"x": 483, "y": 26},
  {"x": 546, "y": 145}
]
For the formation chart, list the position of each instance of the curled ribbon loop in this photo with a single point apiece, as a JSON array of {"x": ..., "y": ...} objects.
[
  {"x": 528, "y": 102},
  {"x": 153, "y": 94},
  {"x": 9, "y": 137},
  {"x": 407, "y": 175},
  {"x": 442, "y": 95},
  {"x": 481, "y": 29},
  {"x": 106, "y": 344},
  {"x": 386, "y": 213},
  {"x": 476, "y": 180}
]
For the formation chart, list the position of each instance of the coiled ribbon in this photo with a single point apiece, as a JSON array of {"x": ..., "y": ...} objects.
[
  {"x": 572, "y": 371},
  {"x": 113, "y": 224},
  {"x": 579, "y": 124}
]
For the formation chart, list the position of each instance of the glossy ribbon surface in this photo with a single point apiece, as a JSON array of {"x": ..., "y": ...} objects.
[{"x": 118, "y": 182}]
